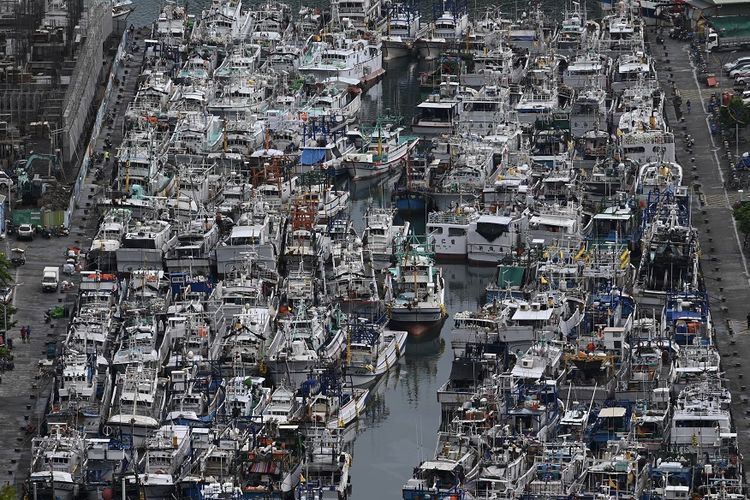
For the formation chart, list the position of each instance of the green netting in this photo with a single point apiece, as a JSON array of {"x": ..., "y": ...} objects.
[
  {"x": 731, "y": 26},
  {"x": 510, "y": 276}
]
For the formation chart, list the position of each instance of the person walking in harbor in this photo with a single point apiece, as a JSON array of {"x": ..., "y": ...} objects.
[
  {"x": 687, "y": 105},
  {"x": 23, "y": 332}
]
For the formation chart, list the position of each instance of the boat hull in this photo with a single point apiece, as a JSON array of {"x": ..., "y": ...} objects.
[
  {"x": 432, "y": 128},
  {"x": 396, "y": 49},
  {"x": 350, "y": 411},
  {"x": 421, "y": 325},
  {"x": 61, "y": 491},
  {"x": 429, "y": 49},
  {"x": 361, "y": 171},
  {"x": 410, "y": 202}
]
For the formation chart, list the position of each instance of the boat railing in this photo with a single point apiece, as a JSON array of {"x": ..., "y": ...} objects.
[{"x": 450, "y": 217}]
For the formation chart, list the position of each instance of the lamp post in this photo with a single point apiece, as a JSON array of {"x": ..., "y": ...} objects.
[{"x": 736, "y": 132}]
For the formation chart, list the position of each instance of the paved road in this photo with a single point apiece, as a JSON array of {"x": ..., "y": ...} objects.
[
  {"x": 22, "y": 393},
  {"x": 723, "y": 262}
]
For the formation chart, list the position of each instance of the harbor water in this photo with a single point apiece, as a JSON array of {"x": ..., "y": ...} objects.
[{"x": 399, "y": 427}]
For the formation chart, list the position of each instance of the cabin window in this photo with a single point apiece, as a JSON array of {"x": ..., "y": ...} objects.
[
  {"x": 438, "y": 230},
  {"x": 491, "y": 232},
  {"x": 691, "y": 424},
  {"x": 456, "y": 231}
]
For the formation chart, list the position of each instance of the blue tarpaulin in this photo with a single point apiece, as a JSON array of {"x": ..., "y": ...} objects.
[
  {"x": 744, "y": 163},
  {"x": 312, "y": 156}
]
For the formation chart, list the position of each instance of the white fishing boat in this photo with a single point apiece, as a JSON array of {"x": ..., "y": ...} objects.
[
  {"x": 448, "y": 231},
  {"x": 371, "y": 350},
  {"x": 137, "y": 404},
  {"x": 381, "y": 234},
  {"x": 438, "y": 114},
  {"x": 449, "y": 27},
  {"x": 386, "y": 151},
  {"x": 58, "y": 464},
  {"x": 337, "y": 409},
  {"x": 121, "y": 8},
  {"x": 283, "y": 407},
  {"x": 326, "y": 467},
  {"x": 402, "y": 29},
  {"x": 491, "y": 237},
  {"x": 415, "y": 292},
  {"x": 338, "y": 56}
]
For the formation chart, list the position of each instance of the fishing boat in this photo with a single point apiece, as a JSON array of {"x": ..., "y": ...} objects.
[
  {"x": 381, "y": 235},
  {"x": 137, "y": 404},
  {"x": 283, "y": 407},
  {"x": 340, "y": 56},
  {"x": 326, "y": 468},
  {"x": 451, "y": 22},
  {"x": 386, "y": 150},
  {"x": 414, "y": 291},
  {"x": 337, "y": 407},
  {"x": 58, "y": 464},
  {"x": 402, "y": 29},
  {"x": 448, "y": 232},
  {"x": 122, "y": 8},
  {"x": 371, "y": 350}
]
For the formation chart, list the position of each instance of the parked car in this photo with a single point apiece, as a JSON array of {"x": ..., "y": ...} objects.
[
  {"x": 740, "y": 70},
  {"x": 25, "y": 232},
  {"x": 737, "y": 62}
]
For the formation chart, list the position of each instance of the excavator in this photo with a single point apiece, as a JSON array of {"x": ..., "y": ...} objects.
[{"x": 30, "y": 185}]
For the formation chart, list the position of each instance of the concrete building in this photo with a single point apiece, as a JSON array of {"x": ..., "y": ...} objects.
[{"x": 48, "y": 49}]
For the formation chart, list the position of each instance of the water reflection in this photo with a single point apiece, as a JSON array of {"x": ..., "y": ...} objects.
[{"x": 399, "y": 427}]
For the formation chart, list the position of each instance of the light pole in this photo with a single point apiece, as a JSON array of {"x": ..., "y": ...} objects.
[{"x": 736, "y": 132}]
